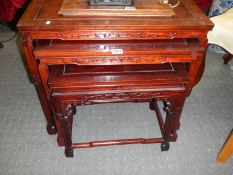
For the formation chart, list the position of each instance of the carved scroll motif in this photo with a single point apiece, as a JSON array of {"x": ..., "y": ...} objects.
[
  {"x": 121, "y": 60},
  {"x": 117, "y": 35},
  {"x": 123, "y": 96}
]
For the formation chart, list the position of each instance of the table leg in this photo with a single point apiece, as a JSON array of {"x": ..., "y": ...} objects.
[
  {"x": 67, "y": 136},
  {"x": 35, "y": 79},
  {"x": 47, "y": 108},
  {"x": 60, "y": 137},
  {"x": 173, "y": 107},
  {"x": 176, "y": 124},
  {"x": 64, "y": 115}
]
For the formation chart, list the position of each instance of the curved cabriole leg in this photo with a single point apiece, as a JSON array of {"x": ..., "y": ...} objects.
[{"x": 64, "y": 115}]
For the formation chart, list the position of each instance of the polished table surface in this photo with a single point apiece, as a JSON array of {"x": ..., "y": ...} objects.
[{"x": 187, "y": 17}]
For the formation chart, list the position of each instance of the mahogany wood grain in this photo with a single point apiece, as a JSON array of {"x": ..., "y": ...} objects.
[
  {"x": 138, "y": 8},
  {"x": 117, "y": 142},
  {"x": 188, "y": 18},
  {"x": 173, "y": 99},
  {"x": 36, "y": 79},
  {"x": 71, "y": 63},
  {"x": 58, "y": 48}
]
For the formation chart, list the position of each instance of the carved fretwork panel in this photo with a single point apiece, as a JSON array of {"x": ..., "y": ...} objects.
[
  {"x": 114, "y": 35},
  {"x": 124, "y": 96}
]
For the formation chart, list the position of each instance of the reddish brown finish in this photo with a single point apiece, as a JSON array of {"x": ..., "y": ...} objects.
[
  {"x": 173, "y": 99},
  {"x": 36, "y": 79},
  {"x": 141, "y": 8},
  {"x": 117, "y": 142},
  {"x": 187, "y": 17},
  {"x": 84, "y": 71}
]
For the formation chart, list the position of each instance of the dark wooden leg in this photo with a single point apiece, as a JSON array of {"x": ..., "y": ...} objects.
[
  {"x": 165, "y": 146},
  {"x": 67, "y": 136},
  {"x": 60, "y": 138},
  {"x": 167, "y": 126},
  {"x": 173, "y": 107},
  {"x": 154, "y": 106},
  {"x": 178, "y": 107},
  {"x": 227, "y": 57},
  {"x": 36, "y": 80},
  {"x": 64, "y": 115},
  {"x": 47, "y": 108}
]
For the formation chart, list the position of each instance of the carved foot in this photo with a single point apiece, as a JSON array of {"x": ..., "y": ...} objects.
[
  {"x": 69, "y": 152},
  {"x": 164, "y": 146},
  {"x": 51, "y": 129}
]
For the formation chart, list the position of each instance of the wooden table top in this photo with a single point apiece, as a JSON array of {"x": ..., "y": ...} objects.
[{"x": 42, "y": 15}]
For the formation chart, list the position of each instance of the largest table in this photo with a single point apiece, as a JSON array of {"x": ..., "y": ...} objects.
[{"x": 42, "y": 22}]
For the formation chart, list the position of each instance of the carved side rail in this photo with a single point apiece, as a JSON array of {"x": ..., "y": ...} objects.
[{"x": 114, "y": 35}]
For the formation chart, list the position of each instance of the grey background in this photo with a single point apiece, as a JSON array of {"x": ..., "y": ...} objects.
[{"x": 26, "y": 148}]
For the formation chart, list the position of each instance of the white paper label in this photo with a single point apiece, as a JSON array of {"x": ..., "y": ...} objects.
[
  {"x": 165, "y": 1},
  {"x": 48, "y": 22},
  {"x": 117, "y": 51},
  {"x": 130, "y": 8}
]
